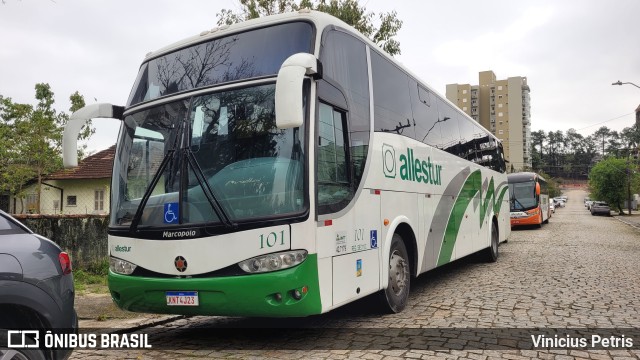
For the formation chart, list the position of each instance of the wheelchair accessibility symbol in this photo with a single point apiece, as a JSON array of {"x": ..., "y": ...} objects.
[{"x": 171, "y": 213}]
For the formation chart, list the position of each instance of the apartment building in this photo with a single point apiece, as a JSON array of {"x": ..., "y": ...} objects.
[{"x": 504, "y": 108}]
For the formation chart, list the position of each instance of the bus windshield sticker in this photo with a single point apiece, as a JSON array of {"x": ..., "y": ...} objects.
[{"x": 171, "y": 213}]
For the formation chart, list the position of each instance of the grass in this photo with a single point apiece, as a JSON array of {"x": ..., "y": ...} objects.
[{"x": 91, "y": 278}]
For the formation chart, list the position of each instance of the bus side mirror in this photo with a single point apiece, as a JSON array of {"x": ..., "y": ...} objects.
[
  {"x": 75, "y": 124},
  {"x": 289, "y": 95},
  {"x": 538, "y": 189}
]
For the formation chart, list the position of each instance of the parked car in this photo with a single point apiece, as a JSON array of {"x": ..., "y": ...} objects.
[
  {"x": 552, "y": 206},
  {"x": 588, "y": 204},
  {"x": 600, "y": 207},
  {"x": 558, "y": 202},
  {"x": 36, "y": 288}
]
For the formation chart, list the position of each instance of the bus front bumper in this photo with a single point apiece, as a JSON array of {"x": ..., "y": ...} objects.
[
  {"x": 267, "y": 294},
  {"x": 525, "y": 219}
]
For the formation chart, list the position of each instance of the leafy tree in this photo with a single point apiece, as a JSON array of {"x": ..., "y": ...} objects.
[
  {"x": 31, "y": 139},
  {"x": 552, "y": 185},
  {"x": 608, "y": 181},
  {"x": 349, "y": 11}
]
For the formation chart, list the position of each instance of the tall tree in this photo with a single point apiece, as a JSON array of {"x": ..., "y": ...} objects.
[
  {"x": 349, "y": 11},
  {"x": 538, "y": 139},
  {"x": 603, "y": 134},
  {"x": 31, "y": 139}
]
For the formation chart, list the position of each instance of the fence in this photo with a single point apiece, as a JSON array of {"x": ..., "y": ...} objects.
[{"x": 84, "y": 237}]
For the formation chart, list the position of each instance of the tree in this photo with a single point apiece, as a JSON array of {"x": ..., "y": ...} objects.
[
  {"x": 31, "y": 140},
  {"x": 602, "y": 134},
  {"x": 608, "y": 181},
  {"x": 552, "y": 185},
  {"x": 538, "y": 138},
  {"x": 348, "y": 11}
]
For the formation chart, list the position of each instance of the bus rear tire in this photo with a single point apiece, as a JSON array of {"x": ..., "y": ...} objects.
[
  {"x": 491, "y": 253},
  {"x": 394, "y": 298}
]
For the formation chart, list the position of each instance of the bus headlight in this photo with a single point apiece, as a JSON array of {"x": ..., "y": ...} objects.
[
  {"x": 120, "y": 266},
  {"x": 273, "y": 262},
  {"x": 533, "y": 211}
]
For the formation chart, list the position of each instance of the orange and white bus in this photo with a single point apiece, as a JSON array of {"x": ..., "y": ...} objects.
[{"x": 529, "y": 199}]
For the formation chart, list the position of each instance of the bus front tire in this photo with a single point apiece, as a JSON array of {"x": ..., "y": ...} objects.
[{"x": 394, "y": 298}]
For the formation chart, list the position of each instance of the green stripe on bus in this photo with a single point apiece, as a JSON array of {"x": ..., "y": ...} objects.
[
  {"x": 498, "y": 204},
  {"x": 485, "y": 205},
  {"x": 469, "y": 189}
]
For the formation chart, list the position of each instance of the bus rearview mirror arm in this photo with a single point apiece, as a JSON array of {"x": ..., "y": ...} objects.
[
  {"x": 289, "y": 94},
  {"x": 77, "y": 120}
]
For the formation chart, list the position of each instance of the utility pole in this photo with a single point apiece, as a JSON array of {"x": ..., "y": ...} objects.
[{"x": 629, "y": 179}]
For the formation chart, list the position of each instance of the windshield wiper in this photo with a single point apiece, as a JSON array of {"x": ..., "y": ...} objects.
[
  {"x": 156, "y": 177},
  {"x": 514, "y": 200},
  {"x": 208, "y": 192},
  {"x": 152, "y": 185}
]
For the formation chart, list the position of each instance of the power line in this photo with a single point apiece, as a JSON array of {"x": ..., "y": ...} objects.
[{"x": 615, "y": 118}]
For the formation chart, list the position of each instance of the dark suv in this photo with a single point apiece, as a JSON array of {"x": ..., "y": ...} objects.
[{"x": 36, "y": 289}]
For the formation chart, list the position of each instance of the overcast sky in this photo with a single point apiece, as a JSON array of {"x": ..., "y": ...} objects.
[{"x": 570, "y": 50}]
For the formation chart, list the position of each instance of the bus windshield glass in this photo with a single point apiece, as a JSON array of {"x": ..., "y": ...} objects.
[
  {"x": 523, "y": 195},
  {"x": 251, "y": 54},
  {"x": 216, "y": 158}
]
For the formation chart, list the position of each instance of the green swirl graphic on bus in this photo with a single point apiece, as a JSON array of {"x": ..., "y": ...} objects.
[{"x": 411, "y": 168}]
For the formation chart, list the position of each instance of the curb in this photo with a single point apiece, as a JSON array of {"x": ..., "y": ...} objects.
[{"x": 632, "y": 224}]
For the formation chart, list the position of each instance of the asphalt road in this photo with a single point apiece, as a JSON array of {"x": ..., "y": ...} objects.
[{"x": 579, "y": 272}]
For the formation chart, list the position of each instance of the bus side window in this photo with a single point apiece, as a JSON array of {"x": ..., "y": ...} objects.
[
  {"x": 334, "y": 186},
  {"x": 448, "y": 119},
  {"x": 344, "y": 59},
  {"x": 391, "y": 97},
  {"x": 425, "y": 115}
]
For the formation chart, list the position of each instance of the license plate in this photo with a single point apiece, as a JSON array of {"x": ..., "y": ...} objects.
[{"x": 182, "y": 298}]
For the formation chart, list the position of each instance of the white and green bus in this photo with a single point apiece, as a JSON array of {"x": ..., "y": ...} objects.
[{"x": 286, "y": 166}]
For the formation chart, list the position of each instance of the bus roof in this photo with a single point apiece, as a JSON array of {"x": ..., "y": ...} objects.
[
  {"x": 319, "y": 18},
  {"x": 321, "y": 21},
  {"x": 523, "y": 176}
]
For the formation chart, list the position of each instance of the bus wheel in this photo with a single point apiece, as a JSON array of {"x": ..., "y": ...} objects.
[
  {"x": 394, "y": 297},
  {"x": 540, "y": 223},
  {"x": 491, "y": 253}
]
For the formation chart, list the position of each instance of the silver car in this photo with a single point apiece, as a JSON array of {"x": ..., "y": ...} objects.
[
  {"x": 600, "y": 208},
  {"x": 36, "y": 290}
]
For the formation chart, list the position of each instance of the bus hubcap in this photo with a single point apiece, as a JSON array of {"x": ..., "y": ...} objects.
[{"x": 398, "y": 272}]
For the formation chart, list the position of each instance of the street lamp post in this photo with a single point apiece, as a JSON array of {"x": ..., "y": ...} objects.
[
  {"x": 628, "y": 155},
  {"x": 622, "y": 83}
]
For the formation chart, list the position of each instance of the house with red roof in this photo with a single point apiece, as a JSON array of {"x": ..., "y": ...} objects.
[{"x": 81, "y": 190}]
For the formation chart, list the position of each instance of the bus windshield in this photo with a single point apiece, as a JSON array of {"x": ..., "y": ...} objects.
[
  {"x": 251, "y": 54},
  {"x": 213, "y": 158},
  {"x": 523, "y": 195}
]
